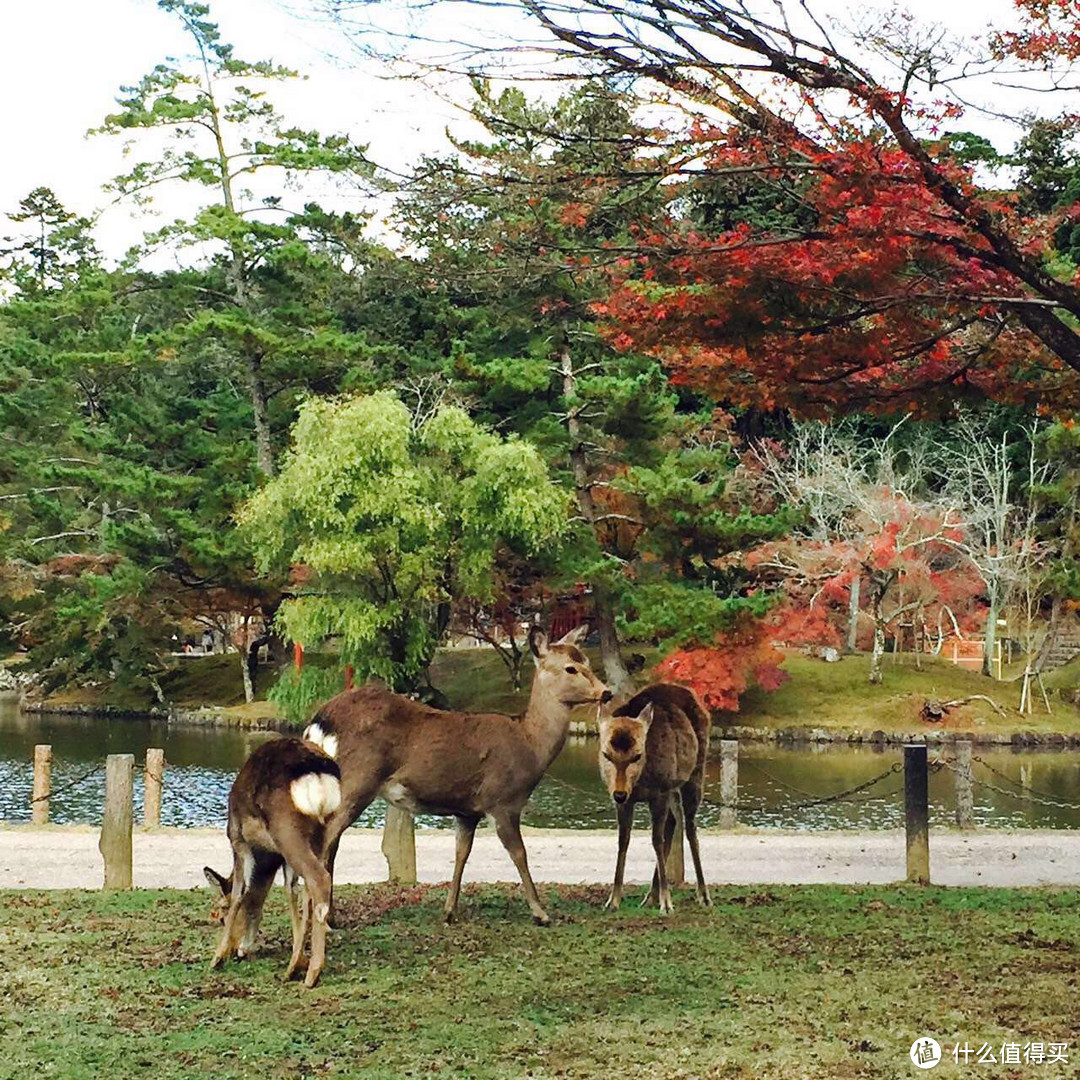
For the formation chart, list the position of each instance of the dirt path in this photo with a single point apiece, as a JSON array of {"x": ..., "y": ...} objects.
[{"x": 59, "y": 857}]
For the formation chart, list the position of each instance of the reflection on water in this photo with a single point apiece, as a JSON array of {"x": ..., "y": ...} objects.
[{"x": 772, "y": 780}]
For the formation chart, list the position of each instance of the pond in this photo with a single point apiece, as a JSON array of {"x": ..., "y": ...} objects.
[{"x": 1015, "y": 789}]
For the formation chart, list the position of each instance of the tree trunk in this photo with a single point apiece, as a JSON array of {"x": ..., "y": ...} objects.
[
  {"x": 615, "y": 673},
  {"x": 879, "y": 638},
  {"x": 257, "y": 387},
  {"x": 245, "y": 671},
  {"x": 991, "y": 638},
  {"x": 853, "y": 615}
]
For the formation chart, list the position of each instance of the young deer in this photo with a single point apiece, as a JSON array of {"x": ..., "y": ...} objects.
[
  {"x": 651, "y": 748},
  {"x": 278, "y": 808},
  {"x": 456, "y": 764}
]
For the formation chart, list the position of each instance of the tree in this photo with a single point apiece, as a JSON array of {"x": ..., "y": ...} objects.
[
  {"x": 54, "y": 249},
  {"x": 223, "y": 132},
  {"x": 389, "y": 522},
  {"x": 902, "y": 276}
]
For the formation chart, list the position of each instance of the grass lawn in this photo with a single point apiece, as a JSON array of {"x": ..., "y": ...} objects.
[
  {"x": 835, "y": 696},
  {"x": 783, "y": 984}
]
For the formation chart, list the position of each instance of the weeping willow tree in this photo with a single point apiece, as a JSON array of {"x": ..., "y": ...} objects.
[{"x": 387, "y": 521}]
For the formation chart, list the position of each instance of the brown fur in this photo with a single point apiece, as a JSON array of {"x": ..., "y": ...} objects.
[
  {"x": 458, "y": 764},
  {"x": 268, "y": 832},
  {"x": 651, "y": 749}
]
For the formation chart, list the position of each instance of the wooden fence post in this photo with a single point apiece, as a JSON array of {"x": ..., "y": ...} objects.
[
  {"x": 965, "y": 802},
  {"x": 154, "y": 781},
  {"x": 399, "y": 845},
  {"x": 676, "y": 860},
  {"x": 729, "y": 783},
  {"x": 115, "y": 842},
  {"x": 39, "y": 808},
  {"x": 916, "y": 813}
]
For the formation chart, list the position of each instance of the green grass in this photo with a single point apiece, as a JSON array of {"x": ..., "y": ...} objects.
[
  {"x": 777, "y": 984},
  {"x": 833, "y": 696}
]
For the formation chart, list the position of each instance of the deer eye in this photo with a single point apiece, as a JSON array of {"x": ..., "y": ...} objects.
[{"x": 571, "y": 671}]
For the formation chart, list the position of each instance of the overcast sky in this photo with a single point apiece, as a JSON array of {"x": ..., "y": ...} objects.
[{"x": 64, "y": 61}]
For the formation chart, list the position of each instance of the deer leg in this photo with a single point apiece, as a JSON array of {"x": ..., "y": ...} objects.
[
  {"x": 243, "y": 867},
  {"x": 335, "y": 828},
  {"x": 299, "y": 911},
  {"x": 661, "y": 838},
  {"x": 508, "y": 827},
  {"x": 652, "y": 897},
  {"x": 624, "y": 813},
  {"x": 463, "y": 842},
  {"x": 691, "y": 799},
  {"x": 266, "y": 866}
]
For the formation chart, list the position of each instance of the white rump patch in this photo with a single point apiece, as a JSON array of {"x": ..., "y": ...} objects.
[
  {"x": 325, "y": 741},
  {"x": 316, "y": 795}
]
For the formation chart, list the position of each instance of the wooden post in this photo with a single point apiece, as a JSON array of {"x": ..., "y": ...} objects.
[
  {"x": 155, "y": 779},
  {"x": 115, "y": 842},
  {"x": 298, "y": 657},
  {"x": 676, "y": 860},
  {"x": 350, "y": 675},
  {"x": 729, "y": 783},
  {"x": 399, "y": 845},
  {"x": 39, "y": 808},
  {"x": 916, "y": 813},
  {"x": 965, "y": 804}
]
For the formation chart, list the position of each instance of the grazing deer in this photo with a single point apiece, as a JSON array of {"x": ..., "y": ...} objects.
[
  {"x": 278, "y": 808},
  {"x": 651, "y": 748},
  {"x": 458, "y": 764}
]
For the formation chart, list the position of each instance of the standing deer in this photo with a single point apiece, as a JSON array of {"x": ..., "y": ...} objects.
[
  {"x": 457, "y": 764},
  {"x": 651, "y": 748},
  {"x": 278, "y": 808}
]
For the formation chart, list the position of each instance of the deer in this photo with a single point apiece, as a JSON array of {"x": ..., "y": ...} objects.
[
  {"x": 279, "y": 805},
  {"x": 652, "y": 749},
  {"x": 457, "y": 764}
]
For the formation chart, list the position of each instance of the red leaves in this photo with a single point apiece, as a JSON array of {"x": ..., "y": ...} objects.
[{"x": 888, "y": 295}]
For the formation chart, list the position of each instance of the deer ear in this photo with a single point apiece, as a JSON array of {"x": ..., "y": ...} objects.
[
  {"x": 646, "y": 715},
  {"x": 575, "y": 636},
  {"x": 538, "y": 642},
  {"x": 216, "y": 881}
]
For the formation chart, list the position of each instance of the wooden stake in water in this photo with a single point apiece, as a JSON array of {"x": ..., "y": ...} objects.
[
  {"x": 917, "y": 813},
  {"x": 116, "y": 824},
  {"x": 154, "y": 780},
  {"x": 39, "y": 808},
  {"x": 965, "y": 802},
  {"x": 399, "y": 845},
  {"x": 729, "y": 783}
]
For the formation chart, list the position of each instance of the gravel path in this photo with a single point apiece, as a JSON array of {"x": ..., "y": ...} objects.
[{"x": 62, "y": 857}]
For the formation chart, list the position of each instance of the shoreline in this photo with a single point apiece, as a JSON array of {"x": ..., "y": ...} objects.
[{"x": 222, "y": 717}]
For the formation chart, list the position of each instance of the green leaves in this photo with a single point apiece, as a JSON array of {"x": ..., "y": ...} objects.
[{"x": 389, "y": 519}]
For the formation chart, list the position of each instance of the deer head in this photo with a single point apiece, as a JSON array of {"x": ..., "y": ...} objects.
[
  {"x": 221, "y": 890},
  {"x": 622, "y": 751},
  {"x": 563, "y": 672}
]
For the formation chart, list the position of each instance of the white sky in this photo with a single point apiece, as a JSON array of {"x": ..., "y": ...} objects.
[{"x": 63, "y": 61}]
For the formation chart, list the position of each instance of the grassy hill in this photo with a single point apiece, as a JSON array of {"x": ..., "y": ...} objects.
[{"x": 833, "y": 696}]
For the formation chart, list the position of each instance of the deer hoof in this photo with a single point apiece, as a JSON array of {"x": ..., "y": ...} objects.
[
  {"x": 312, "y": 977},
  {"x": 705, "y": 900},
  {"x": 542, "y": 918},
  {"x": 612, "y": 903}
]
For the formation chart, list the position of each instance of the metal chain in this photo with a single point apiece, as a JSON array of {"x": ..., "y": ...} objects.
[
  {"x": 836, "y": 796},
  {"x": 67, "y": 787},
  {"x": 1028, "y": 792}
]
